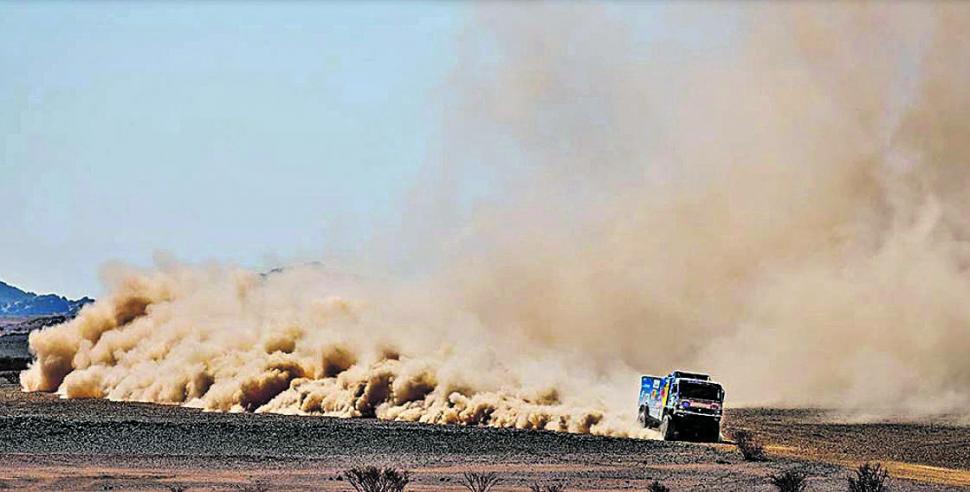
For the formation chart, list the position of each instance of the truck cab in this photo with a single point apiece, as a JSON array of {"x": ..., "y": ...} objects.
[{"x": 683, "y": 405}]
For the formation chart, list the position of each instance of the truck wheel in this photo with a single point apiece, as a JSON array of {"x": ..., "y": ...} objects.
[
  {"x": 642, "y": 416},
  {"x": 714, "y": 432},
  {"x": 668, "y": 428},
  {"x": 645, "y": 419}
]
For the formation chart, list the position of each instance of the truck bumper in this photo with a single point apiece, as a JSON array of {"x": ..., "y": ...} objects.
[
  {"x": 689, "y": 414},
  {"x": 697, "y": 426}
]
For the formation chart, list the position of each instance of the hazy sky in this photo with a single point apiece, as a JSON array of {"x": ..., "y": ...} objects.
[
  {"x": 249, "y": 132},
  {"x": 245, "y": 132}
]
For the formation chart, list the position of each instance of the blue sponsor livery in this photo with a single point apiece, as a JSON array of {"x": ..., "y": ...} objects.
[{"x": 682, "y": 404}]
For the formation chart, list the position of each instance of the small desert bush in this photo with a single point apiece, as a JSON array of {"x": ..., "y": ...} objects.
[
  {"x": 749, "y": 445},
  {"x": 658, "y": 487},
  {"x": 790, "y": 481},
  {"x": 373, "y": 479},
  {"x": 869, "y": 478},
  {"x": 479, "y": 482}
]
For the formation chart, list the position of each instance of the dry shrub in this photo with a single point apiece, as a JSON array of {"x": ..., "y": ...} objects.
[
  {"x": 373, "y": 479},
  {"x": 790, "y": 481},
  {"x": 479, "y": 482},
  {"x": 869, "y": 478},
  {"x": 749, "y": 445},
  {"x": 656, "y": 486}
]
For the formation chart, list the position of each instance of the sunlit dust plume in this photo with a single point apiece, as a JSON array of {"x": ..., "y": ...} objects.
[{"x": 786, "y": 206}]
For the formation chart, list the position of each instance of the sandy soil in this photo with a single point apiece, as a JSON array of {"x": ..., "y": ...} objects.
[
  {"x": 53, "y": 444},
  {"x": 935, "y": 451}
]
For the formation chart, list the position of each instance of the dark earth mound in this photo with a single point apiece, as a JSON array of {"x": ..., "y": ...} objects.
[
  {"x": 13, "y": 352},
  {"x": 14, "y": 330}
]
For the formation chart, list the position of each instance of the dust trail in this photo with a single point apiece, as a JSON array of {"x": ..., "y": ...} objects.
[
  {"x": 788, "y": 212},
  {"x": 230, "y": 340}
]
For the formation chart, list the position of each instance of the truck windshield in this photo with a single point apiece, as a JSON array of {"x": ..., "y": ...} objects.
[{"x": 699, "y": 391}]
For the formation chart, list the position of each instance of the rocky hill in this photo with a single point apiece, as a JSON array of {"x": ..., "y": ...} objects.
[{"x": 15, "y": 302}]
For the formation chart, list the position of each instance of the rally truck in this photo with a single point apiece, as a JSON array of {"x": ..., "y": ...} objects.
[{"x": 684, "y": 405}]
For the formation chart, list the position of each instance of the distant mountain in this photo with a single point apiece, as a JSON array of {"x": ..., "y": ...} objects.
[{"x": 16, "y": 302}]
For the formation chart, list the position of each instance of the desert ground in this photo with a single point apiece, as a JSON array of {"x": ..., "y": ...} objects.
[{"x": 49, "y": 443}]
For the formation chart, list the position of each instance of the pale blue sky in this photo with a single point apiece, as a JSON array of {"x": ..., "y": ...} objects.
[
  {"x": 249, "y": 132},
  {"x": 232, "y": 131}
]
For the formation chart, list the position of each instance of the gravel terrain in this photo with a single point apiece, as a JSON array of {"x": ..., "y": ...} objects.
[
  {"x": 942, "y": 443},
  {"x": 54, "y": 444}
]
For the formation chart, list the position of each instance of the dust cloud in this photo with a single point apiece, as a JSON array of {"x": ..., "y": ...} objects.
[
  {"x": 227, "y": 339},
  {"x": 781, "y": 197}
]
